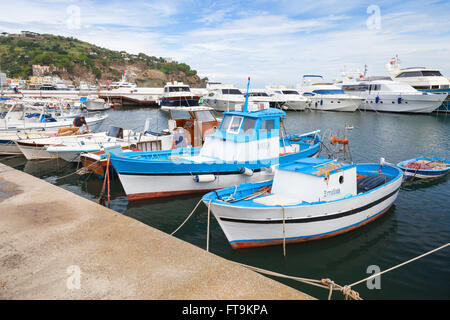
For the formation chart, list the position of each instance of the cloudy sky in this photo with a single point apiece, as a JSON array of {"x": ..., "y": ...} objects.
[{"x": 274, "y": 42}]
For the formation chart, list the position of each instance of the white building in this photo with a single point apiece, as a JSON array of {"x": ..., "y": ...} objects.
[{"x": 3, "y": 82}]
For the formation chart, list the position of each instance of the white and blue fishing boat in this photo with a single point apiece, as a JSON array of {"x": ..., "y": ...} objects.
[
  {"x": 424, "y": 168},
  {"x": 309, "y": 199},
  {"x": 246, "y": 148}
]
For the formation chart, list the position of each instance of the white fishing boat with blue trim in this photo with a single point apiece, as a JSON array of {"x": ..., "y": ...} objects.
[
  {"x": 308, "y": 199},
  {"x": 247, "y": 146},
  {"x": 424, "y": 167}
]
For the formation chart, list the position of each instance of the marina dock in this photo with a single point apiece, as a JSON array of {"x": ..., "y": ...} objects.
[{"x": 57, "y": 245}]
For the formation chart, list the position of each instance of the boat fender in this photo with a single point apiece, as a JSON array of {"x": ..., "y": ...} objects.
[
  {"x": 321, "y": 102},
  {"x": 246, "y": 171},
  {"x": 399, "y": 100},
  {"x": 204, "y": 178},
  {"x": 377, "y": 99}
]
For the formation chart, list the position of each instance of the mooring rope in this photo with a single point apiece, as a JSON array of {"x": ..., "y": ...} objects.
[
  {"x": 192, "y": 212},
  {"x": 346, "y": 290}
]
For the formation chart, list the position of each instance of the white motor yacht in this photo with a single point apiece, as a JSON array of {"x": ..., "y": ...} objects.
[
  {"x": 223, "y": 97},
  {"x": 327, "y": 96},
  {"x": 178, "y": 94},
  {"x": 393, "y": 96},
  {"x": 422, "y": 79},
  {"x": 292, "y": 99}
]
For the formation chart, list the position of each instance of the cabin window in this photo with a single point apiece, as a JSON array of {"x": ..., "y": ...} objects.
[
  {"x": 231, "y": 91},
  {"x": 267, "y": 125},
  {"x": 431, "y": 74},
  {"x": 205, "y": 116},
  {"x": 409, "y": 74},
  {"x": 179, "y": 89},
  {"x": 290, "y": 92},
  {"x": 180, "y": 114},
  {"x": 249, "y": 126},
  {"x": 235, "y": 124}
]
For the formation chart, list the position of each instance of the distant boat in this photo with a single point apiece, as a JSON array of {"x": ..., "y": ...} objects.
[
  {"x": 424, "y": 167},
  {"x": 178, "y": 94},
  {"x": 292, "y": 99},
  {"x": 422, "y": 79},
  {"x": 327, "y": 96},
  {"x": 308, "y": 199},
  {"x": 223, "y": 97},
  {"x": 392, "y": 96}
]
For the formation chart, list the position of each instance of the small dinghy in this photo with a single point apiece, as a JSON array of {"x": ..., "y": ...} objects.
[
  {"x": 424, "y": 168},
  {"x": 311, "y": 198}
]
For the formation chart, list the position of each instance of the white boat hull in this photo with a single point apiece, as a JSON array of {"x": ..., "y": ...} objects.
[
  {"x": 296, "y": 105},
  {"x": 9, "y": 148},
  {"x": 409, "y": 104},
  {"x": 335, "y": 103},
  {"x": 138, "y": 187},
  {"x": 264, "y": 226},
  {"x": 35, "y": 152}
]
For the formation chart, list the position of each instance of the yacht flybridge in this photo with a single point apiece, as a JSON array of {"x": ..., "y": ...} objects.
[{"x": 327, "y": 96}]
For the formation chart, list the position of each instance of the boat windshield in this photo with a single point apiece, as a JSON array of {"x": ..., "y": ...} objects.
[
  {"x": 205, "y": 116},
  {"x": 431, "y": 74},
  {"x": 231, "y": 91},
  {"x": 290, "y": 92},
  {"x": 231, "y": 124},
  {"x": 180, "y": 114},
  {"x": 179, "y": 89}
]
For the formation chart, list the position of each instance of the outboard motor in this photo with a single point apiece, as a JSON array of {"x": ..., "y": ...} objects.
[{"x": 115, "y": 132}]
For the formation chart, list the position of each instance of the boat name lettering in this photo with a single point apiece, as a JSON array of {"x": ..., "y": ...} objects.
[{"x": 330, "y": 193}]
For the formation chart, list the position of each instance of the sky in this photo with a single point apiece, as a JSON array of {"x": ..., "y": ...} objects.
[{"x": 273, "y": 42}]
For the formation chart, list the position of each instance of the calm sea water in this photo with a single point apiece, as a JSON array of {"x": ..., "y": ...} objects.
[{"x": 418, "y": 222}]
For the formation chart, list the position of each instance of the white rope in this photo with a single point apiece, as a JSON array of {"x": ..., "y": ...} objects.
[
  {"x": 399, "y": 265},
  {"x": 198, "y": 203}
]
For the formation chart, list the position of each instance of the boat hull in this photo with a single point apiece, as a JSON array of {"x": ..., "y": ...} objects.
[
  {"x": 335, "y": 103},
  {"x": 33, "y": 151},
  {"x": 409, "y": 103},
  {"x": 139, "y": 186},
  {"x": 264, "y": 226},
  {"x": 411, "y": 173}
]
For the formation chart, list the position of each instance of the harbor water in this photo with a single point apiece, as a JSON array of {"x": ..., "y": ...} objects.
[{"x": 418, "y": 222}]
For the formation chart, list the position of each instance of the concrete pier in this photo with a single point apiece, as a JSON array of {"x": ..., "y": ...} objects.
[{"x": 57, "y": 245}]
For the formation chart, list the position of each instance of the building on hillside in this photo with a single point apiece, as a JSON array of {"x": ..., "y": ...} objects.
[
  {"x": 3, "y": 80},
  {"x": 40, "y": 71}
]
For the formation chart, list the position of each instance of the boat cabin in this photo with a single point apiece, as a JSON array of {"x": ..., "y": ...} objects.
[
  {"x": 197, "y": 121},
  {"x": 243, "y": 136},
  {"x": 313, "y": 180}
]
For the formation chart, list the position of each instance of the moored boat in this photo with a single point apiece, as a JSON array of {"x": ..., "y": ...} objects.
[
  {"x": 308, "y": 199},
  {"x": 424, "y": 167},
  {"x": 248, "y": 144}
]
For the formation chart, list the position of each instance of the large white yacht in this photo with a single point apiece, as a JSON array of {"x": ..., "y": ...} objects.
[
  {"x": 178, "y": 94},
  {"x": 123, "y": 83},
  {"x": 327, "y": 96},
  {"x": 392, "y": 96},
  {"x": 223, "y": 97},
  {"x": 421, "y": 78},
  {"x": 292, "y": 99}
]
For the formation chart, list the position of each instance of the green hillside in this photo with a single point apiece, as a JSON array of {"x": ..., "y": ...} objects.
[{"x": 73, "y": 59}]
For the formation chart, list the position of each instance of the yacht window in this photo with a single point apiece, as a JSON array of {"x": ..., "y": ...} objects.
[
  {"x": 431, "y": 74},
  {"x": 267, "y": 125},
  {"x": 444, "y": 86},
  {"x": 330, "y": 91},
  {"x": 409, "y": 74},
  {"x": 211, "y": 94},
  {"x": 205, "y": 116},
  {"x": 179, "y": 89},
  {"x": 258, "y": 94},
  {"x": 290, "y": 92},
  {"x": 180, "y": 114},
  {"x": 249, "y": 126},
  {"x": 231, "y": 91},
  {"x": 235, "y": 124}
]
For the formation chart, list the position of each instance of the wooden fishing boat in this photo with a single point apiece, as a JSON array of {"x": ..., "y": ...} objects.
[
  {"x": 309, "y": 199},
  {"x": 424, "y": 167}
]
